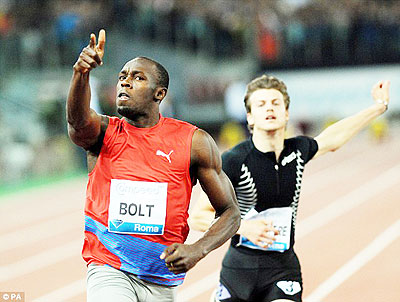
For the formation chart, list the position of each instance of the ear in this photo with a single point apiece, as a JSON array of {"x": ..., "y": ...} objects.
[
  {"x": 159, "y": 94},
  {"x": 287, "y": 115},
  {"x": 250, "y": 119}
]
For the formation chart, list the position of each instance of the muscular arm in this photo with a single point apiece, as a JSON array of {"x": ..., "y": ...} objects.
[
  {"x": 258, "y": 231},
  {"x": 218, "y": 189},
  {"x": 206, "y": 166},
  {"x": 336, "y": 135},
  {"x": 84, "y": 124}
]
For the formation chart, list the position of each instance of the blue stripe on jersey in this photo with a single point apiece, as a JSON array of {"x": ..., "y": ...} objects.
[{"x": 138, "y": 256}]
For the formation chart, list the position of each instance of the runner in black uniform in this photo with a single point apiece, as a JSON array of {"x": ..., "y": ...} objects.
[
  {"x": 261, "y": 181},
  {"x": 266, "y": 172}
]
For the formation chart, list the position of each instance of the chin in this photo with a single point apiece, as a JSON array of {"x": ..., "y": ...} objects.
[
  {"x": 129, "y": 112},
  {"x": 125, "y": 111},
  {"x": 271, "y": 127}
]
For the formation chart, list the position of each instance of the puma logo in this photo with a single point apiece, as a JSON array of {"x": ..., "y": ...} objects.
[{"x": 167, "y": 156}]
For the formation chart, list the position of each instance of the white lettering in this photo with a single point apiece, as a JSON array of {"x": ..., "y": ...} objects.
[
  {"x": 123, "y": 189},
  {"x": 16, "y": 297},
  {"x": 146, "y": 228}
]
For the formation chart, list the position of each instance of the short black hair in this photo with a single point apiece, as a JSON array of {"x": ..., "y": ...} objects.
[{"x": 163, "y": 76}]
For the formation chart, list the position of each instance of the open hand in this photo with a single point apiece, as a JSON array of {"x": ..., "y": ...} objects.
[
  {"x": 92, "y": 55},
  {"x": 258, "y": 231}
]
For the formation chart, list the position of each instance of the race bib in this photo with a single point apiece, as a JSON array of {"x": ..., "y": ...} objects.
[
  {"x": 282, "y": 221},
  {"x": 137, "y": 207}
]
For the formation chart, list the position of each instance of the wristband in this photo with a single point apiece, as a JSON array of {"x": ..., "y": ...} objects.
[{"x": 380, "y": 101}]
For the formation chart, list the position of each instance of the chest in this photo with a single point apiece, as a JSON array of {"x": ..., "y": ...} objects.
[
  {"x": 149, "y": 157},
  {"x": 275, "y": 183}
]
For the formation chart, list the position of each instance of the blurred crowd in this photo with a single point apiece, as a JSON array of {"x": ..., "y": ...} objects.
[
  {"x": 281, "y": 33},
  {"x": 49, "y": 34}
]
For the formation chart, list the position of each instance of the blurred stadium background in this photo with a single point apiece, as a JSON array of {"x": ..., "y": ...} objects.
[{"x": 329, "y": 53}]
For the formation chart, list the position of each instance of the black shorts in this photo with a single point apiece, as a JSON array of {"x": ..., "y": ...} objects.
[{"x": 259, "y": 277}]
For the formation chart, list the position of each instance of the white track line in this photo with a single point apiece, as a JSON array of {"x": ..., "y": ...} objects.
[
  {"x": 79, "y": 287},
  {"x": 349, "y": 201},
  {"x": 362, "y": 194},
  {"x": 41, "y": 260},
  {"x": 198, "y": 287},
  {"x": 342, "y": 205},
  {"x": 64, "y": 293},
  {"x": 324, "y": 177},
  {"x": 357, "y": 262},
  {"x": 44, "y": 230}
]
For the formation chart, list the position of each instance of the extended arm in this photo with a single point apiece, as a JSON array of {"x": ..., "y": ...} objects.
[
  {"x": 84, "y": 124},
  {"x": 206, "y": 164},
  {"x": 336, "y": 135}
]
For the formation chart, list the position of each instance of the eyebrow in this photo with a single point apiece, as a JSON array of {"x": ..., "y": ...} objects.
[
  {"x": 134, "y": 72},
  {"x": 273, "y": 100}
]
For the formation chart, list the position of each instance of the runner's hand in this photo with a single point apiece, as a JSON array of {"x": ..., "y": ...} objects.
[
  {"x": 258, "y": 231},
  {"x": 380, "y": 93},
  {"x": 179, "y": 258},
  {"x": 92, "y": 55}
]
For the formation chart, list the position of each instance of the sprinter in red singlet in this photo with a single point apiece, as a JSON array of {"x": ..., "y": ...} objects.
[{"x": 141, "y": 172}]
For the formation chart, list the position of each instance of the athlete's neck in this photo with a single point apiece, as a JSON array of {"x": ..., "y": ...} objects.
[
  {"x": 143, "y": 121},
  {"x": 269, "y": 141}
]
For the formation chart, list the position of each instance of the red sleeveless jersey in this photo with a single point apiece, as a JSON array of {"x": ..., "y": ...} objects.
[{"x": 138, "y": 197}]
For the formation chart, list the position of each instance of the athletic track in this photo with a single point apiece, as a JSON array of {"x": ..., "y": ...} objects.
[{"x": 348, "y": 233}]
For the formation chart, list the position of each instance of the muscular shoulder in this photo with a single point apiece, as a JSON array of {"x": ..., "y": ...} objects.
[
  {"x": 204, "y": 151},
  {"x": 90, "y": 135}
]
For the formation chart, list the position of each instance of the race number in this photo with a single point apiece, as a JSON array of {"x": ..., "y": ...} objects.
[
  {"x": 137, "y": 207},
  {"x": 282, "y": 221}
]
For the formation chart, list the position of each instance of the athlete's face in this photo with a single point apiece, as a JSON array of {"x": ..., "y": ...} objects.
[
  {"x": 267, "y": 110},
  {"x": 136, "y": 88}
]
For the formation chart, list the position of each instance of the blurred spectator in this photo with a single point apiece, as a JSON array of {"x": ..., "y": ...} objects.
[
  {"x": 289, "y": 33},
  {"x": 66, "y": 24},
  {"x": 234, "y": 102},
  {"x": 379, "y": 130},
  {"x": 230, "y": 135},
  {"x": 35, "y": 35}
]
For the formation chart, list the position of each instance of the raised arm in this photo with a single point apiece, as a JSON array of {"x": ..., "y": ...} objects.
[
  {"x": 84, "y": 124},
  {"x": 336, "y": 135},
  {"x": 206, "y": 166}
]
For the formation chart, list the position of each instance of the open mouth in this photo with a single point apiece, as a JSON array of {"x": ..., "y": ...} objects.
[
  {"x": 270, "y": 117},
  {"x": 123, "y": 94}
]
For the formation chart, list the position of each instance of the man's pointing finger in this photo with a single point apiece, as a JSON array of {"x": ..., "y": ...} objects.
[{"x": 102, "y": 40}]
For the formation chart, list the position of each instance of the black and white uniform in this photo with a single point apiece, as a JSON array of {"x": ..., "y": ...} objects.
[{"x": 261, "y": 182}]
